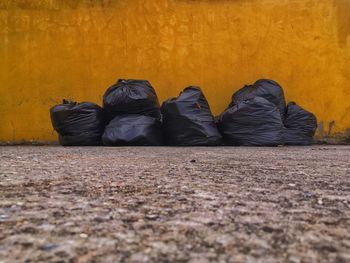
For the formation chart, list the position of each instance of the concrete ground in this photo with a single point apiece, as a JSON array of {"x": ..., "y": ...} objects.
[{"x": 167, "y": 204}]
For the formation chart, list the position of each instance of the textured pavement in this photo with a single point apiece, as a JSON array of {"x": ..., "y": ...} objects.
[{"x": 168, "y": 204}]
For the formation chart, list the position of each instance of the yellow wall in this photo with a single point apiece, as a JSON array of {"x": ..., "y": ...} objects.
[{"x": 54, "y": 49}]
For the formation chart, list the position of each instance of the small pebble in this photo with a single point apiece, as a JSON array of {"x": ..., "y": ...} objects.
[
  {"x": 320, "y": 202},
  {"x": 49, "y": 247},
  {"x": 308, "y": 194},
  {"x": 83, "y": 235},
  {"x": 152, "y": 217},
  {"x": 193, "y": 161},
  {"x": 4, "y": 218}
]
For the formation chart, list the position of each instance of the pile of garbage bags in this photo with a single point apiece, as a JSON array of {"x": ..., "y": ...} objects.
[
  {"x": 258, "y": 116},
  {"x": 131, "y": 116},
  {"x": 133, "y": 108}
]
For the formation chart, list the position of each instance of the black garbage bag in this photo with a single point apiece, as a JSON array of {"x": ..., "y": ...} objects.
[
  {"x": 78, "y": 124},
  {"x": 133, "y": 129},
  {"x": 131, "y": 97},
  {"x": 300, "y": 126},
  {"x": 253, "y": 122},
  {"x": 265, "y": 88},
  {"x": 188, "y": 121}
]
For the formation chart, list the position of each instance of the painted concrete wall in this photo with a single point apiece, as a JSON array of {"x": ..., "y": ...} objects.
[{"x": 54, "y": 49}]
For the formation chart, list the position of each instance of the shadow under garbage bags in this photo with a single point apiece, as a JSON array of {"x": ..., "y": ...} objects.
[{"x": 131, "y": 116}]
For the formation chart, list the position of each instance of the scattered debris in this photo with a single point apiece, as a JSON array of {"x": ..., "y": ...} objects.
[
  {"x": 83, "y": 235},
  {"x": 49, "y": 247}
]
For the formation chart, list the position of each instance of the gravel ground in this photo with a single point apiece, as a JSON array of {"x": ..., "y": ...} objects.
[{"x": 168, "y": 204}]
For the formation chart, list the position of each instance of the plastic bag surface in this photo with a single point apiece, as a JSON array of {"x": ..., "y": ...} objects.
[
  {"x": 78, "y": 124},
  {"x": 132, "y": 130},
  {"x": 131, "y": 97},
  {"x": 265, "y": 88},
  {"x": 188, "y": 121},
  {"x": 253, "y": 122},
  {"x": 300, "y": 126}
]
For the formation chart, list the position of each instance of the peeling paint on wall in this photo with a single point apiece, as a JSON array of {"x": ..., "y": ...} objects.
[{"x": 54, "y": 49}]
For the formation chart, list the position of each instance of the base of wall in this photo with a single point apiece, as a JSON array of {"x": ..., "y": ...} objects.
[
  {"x": 318, "y": 141},
  {"x": 29, "y": 142},
  {"x": 334, "y": 141}
]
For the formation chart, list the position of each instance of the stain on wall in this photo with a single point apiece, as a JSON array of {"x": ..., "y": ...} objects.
[
  {"x": 56, "y": 4},
  {"x": 54, "y": 49},
  {"x": 343, "y": 21}
]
